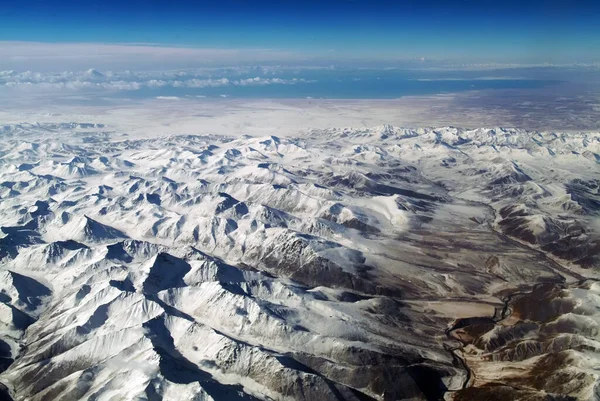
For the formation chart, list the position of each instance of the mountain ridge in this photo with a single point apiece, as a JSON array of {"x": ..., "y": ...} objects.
[{"x": 336, "y": 265}]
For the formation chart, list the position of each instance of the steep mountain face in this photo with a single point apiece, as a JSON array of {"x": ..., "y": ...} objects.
[
  {"x": 545, "y": 346},
  {"x": 383, "y": 263}
]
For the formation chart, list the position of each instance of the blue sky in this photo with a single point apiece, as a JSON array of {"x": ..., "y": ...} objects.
[{"x": 469, "y": 31}]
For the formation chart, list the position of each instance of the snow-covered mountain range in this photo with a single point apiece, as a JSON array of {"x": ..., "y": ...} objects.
[{"x": 346, "y": 264}]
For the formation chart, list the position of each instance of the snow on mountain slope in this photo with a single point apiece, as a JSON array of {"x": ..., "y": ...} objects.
[{"x": 325, "y": 267}]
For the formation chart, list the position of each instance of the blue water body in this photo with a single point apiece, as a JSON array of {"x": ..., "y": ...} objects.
[
  {"x": 367, "y": 89},
  {"x": 355, "y": 84}
]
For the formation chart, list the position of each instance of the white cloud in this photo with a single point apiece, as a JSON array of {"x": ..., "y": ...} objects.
[
  {"x": 78, "y": 56},
  {"x": 142, "y": 56},
  {"x": 93, "y": 80}
]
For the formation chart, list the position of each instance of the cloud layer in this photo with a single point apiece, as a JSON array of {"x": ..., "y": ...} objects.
[
  {"x": 93, "y": 80},
  {"x": 80, "y": 56}
]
